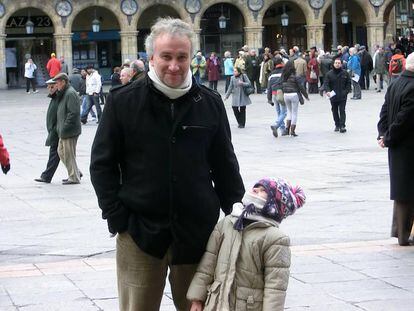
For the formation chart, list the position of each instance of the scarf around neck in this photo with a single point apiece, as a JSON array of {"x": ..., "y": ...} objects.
[{"x": 171, "y": 93}]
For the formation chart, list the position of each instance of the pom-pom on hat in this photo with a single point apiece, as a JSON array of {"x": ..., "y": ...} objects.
[{"x": 282, "y": 199}]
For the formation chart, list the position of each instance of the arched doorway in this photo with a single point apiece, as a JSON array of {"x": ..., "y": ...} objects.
[
  {"x": 102, "y": 49},
  {"x": 399, "y": 25},
  {"x": 147, "y": 19},
  {"x": 20, "y": 45},
  {"x": 351, "y": 33},
  {"x": 276, "y": 36},
  {"x": 228, "y": 37}
]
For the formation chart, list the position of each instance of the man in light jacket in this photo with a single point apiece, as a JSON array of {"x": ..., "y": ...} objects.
[{"x": 93, "y": 88}]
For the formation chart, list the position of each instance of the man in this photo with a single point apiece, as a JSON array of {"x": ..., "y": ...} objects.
[
  {"x": 138, "y": 70},
  {"x": 301, "y": 67},
  {"x": 68, "y": 126},
  {"x": 380, "y": 68},
  {"x": 354, "y": 69},
  {"x": 254, "y": 59},
  {"x": 366, "y": 68},
  {"x": 29, "y": 73},
  {"x": 75, "y": 79},
  {"x": 126, "y": 75},
  {"x": 52, "y": 139},
  {"x": 64, "y": 66},
  {"x": 4, "y": 157},
  {"x": 53, "y": 66},
  {"x": 93, "y": 89},
  {"x": 162, "y": 166},
  {"x": 396, "y": 131},
  {"x": 336, "y": 86}
]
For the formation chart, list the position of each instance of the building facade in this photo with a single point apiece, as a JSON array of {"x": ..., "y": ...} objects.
[{"x": 66, "y": 28}]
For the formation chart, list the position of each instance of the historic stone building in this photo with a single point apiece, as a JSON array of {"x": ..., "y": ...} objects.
[{"x": 66, "y": 28}]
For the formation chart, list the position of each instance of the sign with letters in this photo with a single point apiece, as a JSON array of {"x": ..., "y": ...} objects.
[{"x": 20, "y": 21}]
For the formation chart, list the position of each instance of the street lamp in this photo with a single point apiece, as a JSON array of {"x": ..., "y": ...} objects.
[
  {"x": 344, "y": 17},
  {"x": 29, "y": 25},
  {"x": 284, "y": 17},
  {"x": 222, "y": 21},
  {"x": 95, "y": 24},
  {"x": 403, "y": 17}
]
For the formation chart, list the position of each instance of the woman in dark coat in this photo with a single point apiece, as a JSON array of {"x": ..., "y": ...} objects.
[
  {"x": 396, "y": 131},
  {"x": 213, "y": 71},
  {"x": 312, "y": 74}
]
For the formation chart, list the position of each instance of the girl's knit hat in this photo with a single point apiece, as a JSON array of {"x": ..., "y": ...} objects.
[{"x": 282, "y": 201}]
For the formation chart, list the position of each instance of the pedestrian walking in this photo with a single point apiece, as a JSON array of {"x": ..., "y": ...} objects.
[
  {"x": 396, "y": 132},
  {"x": 52, "y": 139},
  {"x": 75, "y": 79},
  {"x": 213, "y": 71},
  {"x": 198, "y": 67},
  {"x": 380, "y": 68},
  {"x": 84, "y": 97},
  {"x": 354, "y": 70},
  {"x": 336, "y": 87},
  {"x": 366, "y": 68},
  {"x": 312, "y": 73},
  {"x": 239, "y": 81},
  {"x": 68, "y": 127},
  {"x": 228, "y": 69},
  {"x": 4, "y": 157},
  {"x": 162, "y": 166},
  {"x": 247, "y": 260},
  {"x": 275, "y": 97},
  {"x": 53, "y": 66},
  {"x": 29, "y": 73},
  {"x": 93, "y": 89},
  {"x": 265, "y": 70},
  {"x": 293, "y": 92}
]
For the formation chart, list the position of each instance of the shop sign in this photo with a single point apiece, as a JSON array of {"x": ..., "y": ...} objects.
[{"x": 20, "y": 21}]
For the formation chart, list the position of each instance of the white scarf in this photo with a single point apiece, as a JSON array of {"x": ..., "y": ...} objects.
[{"x": 170, "y": 92}]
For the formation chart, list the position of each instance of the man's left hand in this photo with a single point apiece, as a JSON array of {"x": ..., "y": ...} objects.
[{"x": 381, "y": 142}]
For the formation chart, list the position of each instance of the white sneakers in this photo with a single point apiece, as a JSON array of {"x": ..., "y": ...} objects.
[{"x": 34, "y": 92}]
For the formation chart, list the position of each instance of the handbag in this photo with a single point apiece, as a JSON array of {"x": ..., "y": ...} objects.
[
  {"x": 313, "y": 75},
  {"x": 249, "y": 89},
  {"x": 301, "y": 99}
]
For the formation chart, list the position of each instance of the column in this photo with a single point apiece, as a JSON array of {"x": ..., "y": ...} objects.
[
  {"x": 375, "y": 34},
  {"x": 3, "y": 77},
  {"x": 129, "y": 45},
  {"x": 253, "y": 37},
  {"x": 64, "y": 48},
  {"x": 315, "y": 36},
  {"x": 197, "y": 40}
]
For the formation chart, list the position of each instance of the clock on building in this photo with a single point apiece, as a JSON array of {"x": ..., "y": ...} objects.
[
  {"x": 63, "y": 8},
  {"x": 129, "y": 7},
  {"x": 317, "y": 4},
  {"x": 377, "y": 2},
  {"x": 2, "y": 10}
]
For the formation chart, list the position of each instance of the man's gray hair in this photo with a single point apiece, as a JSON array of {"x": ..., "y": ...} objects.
[
  {"x": 352, "y": 50},
  {"x": 409, "y": 62},
  {"x": 137, "y": 66},
  {"x": 169, "y": 26}
]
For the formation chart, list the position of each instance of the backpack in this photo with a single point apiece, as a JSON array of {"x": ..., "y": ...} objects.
[{"x": 396, "y": 66}]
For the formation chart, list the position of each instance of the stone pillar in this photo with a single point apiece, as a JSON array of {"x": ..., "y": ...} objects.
[
  {"x": 315, "y": 36},
  {"x": 129, "y": 45},
  {"x": 3, "y": 77},
  {"x": 375, "y": 34},
  {"x": 253, "y": 37},
  {"x": 64, "y": 48},
  {"x": 197, "y": 40}
]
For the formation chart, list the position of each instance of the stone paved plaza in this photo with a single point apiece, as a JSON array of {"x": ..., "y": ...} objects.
[{"x": 56, "y": 253}]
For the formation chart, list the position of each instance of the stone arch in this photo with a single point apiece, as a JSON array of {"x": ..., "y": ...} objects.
[
  {"x": 386, "y": 6},
  {"x": 248, "y": 18},
  {"x": 303, "y": 5},
  {"x": 365, "y": 5},
  {"x": 148, "y": 5},
  {"x": 108, "y": 5},
  {"x": 15, "y": 6}
]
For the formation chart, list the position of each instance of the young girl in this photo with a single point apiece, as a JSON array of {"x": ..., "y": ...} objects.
[{"x": 247, "y": 260}]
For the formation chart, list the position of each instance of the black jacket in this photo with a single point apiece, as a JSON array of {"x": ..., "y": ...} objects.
[
  {"x": 275, "y": 82},
  {"x": 338, "y": 81},
  {"x": 162, "y": 168},
  {"x": 397, "y": 127},
  {"x": 294, "y": 85}
]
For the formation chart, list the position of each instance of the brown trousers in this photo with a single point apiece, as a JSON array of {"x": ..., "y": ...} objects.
[
  {"x": 141, "y": 278},
  {"x": 402, "y": 221},
  {"x": 67, "y": 154}
]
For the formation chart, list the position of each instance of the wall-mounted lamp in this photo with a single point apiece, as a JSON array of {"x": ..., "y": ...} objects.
[
  {"x": 96, "y": 24},
  {"x": 29, "y": 24}
]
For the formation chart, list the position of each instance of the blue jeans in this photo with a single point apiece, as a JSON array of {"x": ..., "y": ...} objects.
[
  {"x": 281, "y": 112},
  {"x": 85, "y": 106}
]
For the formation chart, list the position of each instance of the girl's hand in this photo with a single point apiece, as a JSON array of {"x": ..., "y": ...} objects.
[
  {"x": 196, "y": 306},
  {"x": 241, "y": 82}
]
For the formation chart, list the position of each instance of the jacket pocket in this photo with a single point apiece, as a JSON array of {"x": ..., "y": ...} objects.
[
  {"x": 249, "y": 299},
  {"x": 213, "y": 293}
]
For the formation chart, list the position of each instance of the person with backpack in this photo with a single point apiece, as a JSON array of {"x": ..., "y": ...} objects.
[
  {"x": 275, "y": 97},
  {"x": 397, "y": 65}
]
